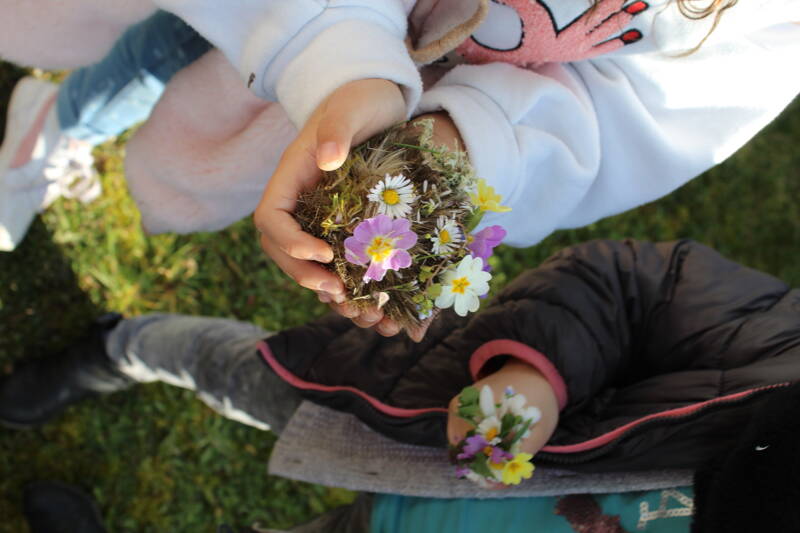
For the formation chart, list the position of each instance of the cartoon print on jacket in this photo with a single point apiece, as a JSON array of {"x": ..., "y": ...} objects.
[{"x": 527, "y": 33}]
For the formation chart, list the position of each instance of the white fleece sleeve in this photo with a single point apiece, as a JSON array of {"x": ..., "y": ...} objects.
[
  {"x": 569, "y": 144},
  {"x": 299, "y": 51}
]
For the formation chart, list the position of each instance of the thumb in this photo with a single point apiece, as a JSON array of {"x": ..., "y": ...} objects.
[
  {"x": 354, "y": 113},
  {"x": 335, "y": 133}
]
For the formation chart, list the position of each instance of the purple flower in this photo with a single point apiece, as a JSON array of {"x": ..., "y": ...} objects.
[
  {"x": 482, "y": 244},
  {"x": 474, "y": 444},
  {"x": 499, "y": 455},
  {"x": 462, "y": 471},
  {"x": 380, "y": 242}
]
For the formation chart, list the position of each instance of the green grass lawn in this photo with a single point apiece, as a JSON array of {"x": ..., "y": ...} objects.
[{"x": 158, "y": 460}]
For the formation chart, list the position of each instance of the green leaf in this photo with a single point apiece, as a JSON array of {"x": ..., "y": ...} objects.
[
  {"x": 473, "y": 220},
  {"x": 518, "y": 435},
  {"x": 469, "y": 395},
  {"x": 434, "y": 291},
  {"x": 481, "y": 466},
  {"x": 469, "y": 412},
  {"x": 507, "y": 423}
]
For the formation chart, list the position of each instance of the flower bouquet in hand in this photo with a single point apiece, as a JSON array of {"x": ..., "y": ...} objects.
[
  {"x": 400, "y": 215},
  {"x": 490, "y": 453}
]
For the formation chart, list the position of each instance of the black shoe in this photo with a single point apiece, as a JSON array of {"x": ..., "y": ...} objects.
[
  {"x": 39, "y": 389},
  {"x": 53, "y": 507}
]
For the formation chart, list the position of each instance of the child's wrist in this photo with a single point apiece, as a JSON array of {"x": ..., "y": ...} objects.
[{"x": 445, "y": 132}]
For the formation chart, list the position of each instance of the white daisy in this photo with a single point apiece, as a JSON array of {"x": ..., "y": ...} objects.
[
  {"x": 447, "y": 237},
  {"x": 490, "y": 429},
  {"x": 394, "y": 196},
  {"x": 462, "y": 285}
]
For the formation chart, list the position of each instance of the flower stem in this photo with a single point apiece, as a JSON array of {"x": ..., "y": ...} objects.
[{"x": 421, "y": 148}]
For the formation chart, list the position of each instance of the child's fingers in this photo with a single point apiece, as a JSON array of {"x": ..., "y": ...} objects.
[
  {"x": 368, "y": 318},
  {"x": 274, "y": 220},
  {"x": 457, "y": 427},
  {"x": 346, "y": 309},
  {"x": 418, "y": 333},
  {"x": 363, "y": 318},
  {"x": 387, "y": 327},
  {"x": 334, "y": 138},
  {"x": 280, "y": 230},
  {"x": 306, "y": 273},
  {"x": 354, "y": 113},
  {"x": 296, "y": 172},
  {"x": 339, "y": 125}
]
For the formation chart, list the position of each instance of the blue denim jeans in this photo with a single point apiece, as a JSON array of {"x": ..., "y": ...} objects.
[{"x": 103, "y": 100}]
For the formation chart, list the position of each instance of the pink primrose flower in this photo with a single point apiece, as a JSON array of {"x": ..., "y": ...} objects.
[
  {"x": 472, "y": 446},
  {"x": 483, "y": 243},
  {"x": 499, "y": 455},
  {"x": 462, "y": 471},
  {"x": 380, "y": 242}
]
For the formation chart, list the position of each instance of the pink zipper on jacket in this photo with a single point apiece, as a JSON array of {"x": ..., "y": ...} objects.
[{"x": 505, "y": 347}]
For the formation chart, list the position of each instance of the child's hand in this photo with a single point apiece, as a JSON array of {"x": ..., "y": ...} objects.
[
  {"x": 526, "y": 380},
  {"x": 350, "y": 115}
]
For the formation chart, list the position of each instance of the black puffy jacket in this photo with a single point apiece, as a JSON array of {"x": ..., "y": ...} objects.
[{"x": 658, "y": 353}]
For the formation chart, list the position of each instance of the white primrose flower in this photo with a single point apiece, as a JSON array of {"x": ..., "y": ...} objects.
[
  {"x": 512, "y": 404},
  {"x": 479, "y": 479},
  {"x": 487, "y": 401},
  {"x": 462, "y": 285},
  {"x": 394, "y": 196},
  {"x": 447, "y": 237},
  {"x": 534, "y": 414},
  {"x": 490, "y": 429}
]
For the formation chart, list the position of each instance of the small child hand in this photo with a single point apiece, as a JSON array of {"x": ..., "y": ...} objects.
[
  {"x": 350, "y": 115},
  {"x": 353, "y": 113},
  {"x": 523, "y": 379}
]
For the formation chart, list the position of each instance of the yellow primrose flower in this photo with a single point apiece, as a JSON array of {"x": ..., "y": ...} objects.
[
  {"x": 517, "y": 469},
  {"x": 486, "y": 199}
]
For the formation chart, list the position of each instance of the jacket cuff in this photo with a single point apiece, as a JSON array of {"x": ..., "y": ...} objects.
[
  {"x": 333, "y": 50},
  {"x": 524, "y": 353},
  {"x": 489, "y": 138}
]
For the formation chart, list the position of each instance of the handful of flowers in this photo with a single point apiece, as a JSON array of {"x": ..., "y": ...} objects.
[
  {"x": 490, "y": 452},
  {"x": 400, "y": 215}
]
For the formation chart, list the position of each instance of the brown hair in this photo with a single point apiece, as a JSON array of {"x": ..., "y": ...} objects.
[{"x": 716, "y": 8}]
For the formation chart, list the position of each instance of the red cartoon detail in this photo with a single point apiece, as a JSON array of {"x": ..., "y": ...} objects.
[
  {"x": 524, "y": 32},
  {"x": 636, "y": 8}
]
